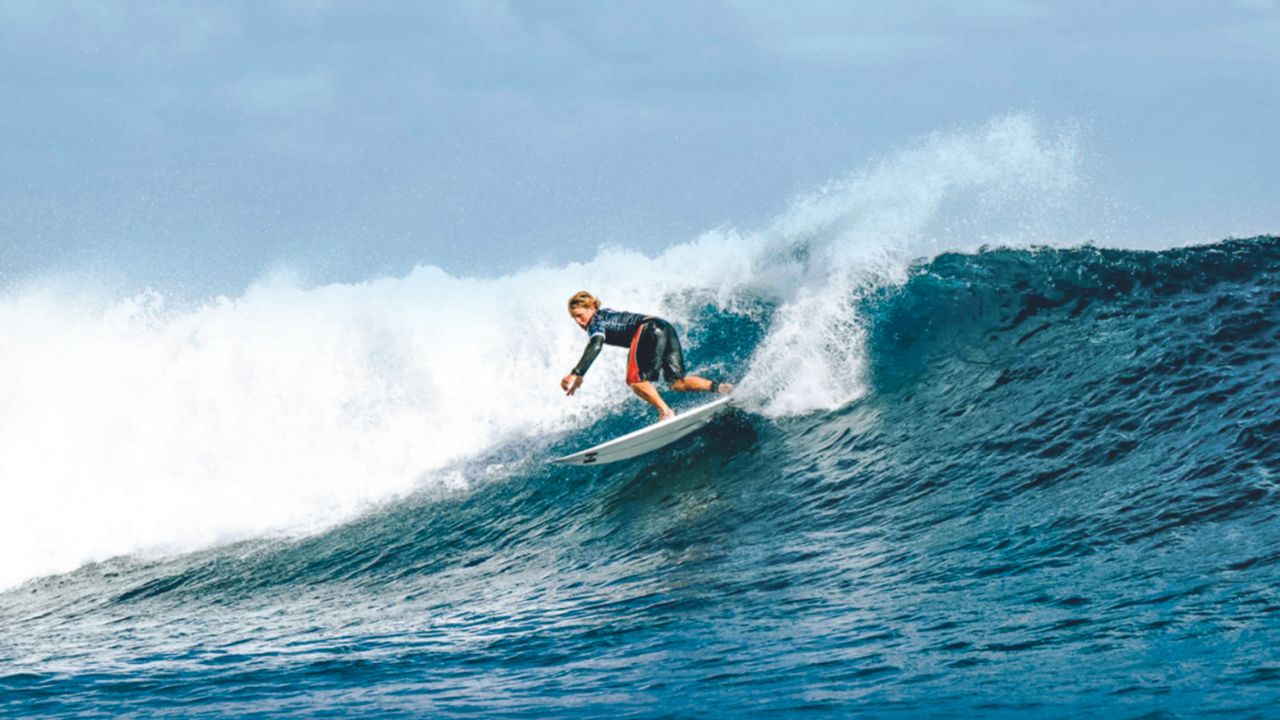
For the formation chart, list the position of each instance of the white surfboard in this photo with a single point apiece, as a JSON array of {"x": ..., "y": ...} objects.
[{"x": 648, "y": 438}]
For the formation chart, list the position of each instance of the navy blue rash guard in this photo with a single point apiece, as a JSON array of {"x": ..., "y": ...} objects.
[
  {"x": 616, "y": 326},
  {"x": 608, "y": 327}
]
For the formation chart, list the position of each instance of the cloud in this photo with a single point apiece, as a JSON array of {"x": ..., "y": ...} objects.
[
  {"x": 501, "y": 29},
  {"x": 494, "y": 19},
  {"x": 858, "y": 48},
  {"x": 308, "y": 9},
  {"x": 120, "y": 31},
  {"x": 841, "y": 33},
  {"x": 284, "y": 95}
]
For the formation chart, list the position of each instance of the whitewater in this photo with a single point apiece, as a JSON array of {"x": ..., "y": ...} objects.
[{"x": 987, "y": 460}]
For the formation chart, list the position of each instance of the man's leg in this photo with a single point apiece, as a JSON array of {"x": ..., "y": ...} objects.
[
  {"x": 673, "y": 367},
  {"x": 693, "y": 383},
  {"x": 649, "y": 393}
]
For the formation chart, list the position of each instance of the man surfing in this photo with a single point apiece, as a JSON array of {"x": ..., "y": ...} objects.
[{"x": 654, "y": 347}]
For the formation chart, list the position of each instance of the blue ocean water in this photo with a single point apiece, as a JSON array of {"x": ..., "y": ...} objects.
[{"x": 1059, "y": 496}]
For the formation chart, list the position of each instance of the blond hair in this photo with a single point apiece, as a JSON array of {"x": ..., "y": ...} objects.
[{"x": 583, "y": 298}]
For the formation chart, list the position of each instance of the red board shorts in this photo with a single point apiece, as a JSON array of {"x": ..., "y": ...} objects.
[{"x": 655, "y": 348}]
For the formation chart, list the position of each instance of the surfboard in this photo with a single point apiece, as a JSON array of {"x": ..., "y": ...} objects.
[{"x": 647, "y": 439}]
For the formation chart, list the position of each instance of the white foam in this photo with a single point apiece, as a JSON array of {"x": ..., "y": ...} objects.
[
  {"x": 998, "y": 184},
  {"x": 127, "y": 426}
]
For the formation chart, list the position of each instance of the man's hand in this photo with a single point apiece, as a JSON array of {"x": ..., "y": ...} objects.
[{"x": 570, "y": 383}]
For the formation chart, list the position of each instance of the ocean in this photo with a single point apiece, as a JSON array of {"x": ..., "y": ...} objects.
[{"x": 961, "y": 479}]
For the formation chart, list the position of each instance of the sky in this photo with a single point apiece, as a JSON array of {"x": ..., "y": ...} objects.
[{"x": 202, "y": 145}]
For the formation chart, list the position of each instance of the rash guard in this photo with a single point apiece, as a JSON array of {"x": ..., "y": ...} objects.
[{"x": 608, "y": 327}]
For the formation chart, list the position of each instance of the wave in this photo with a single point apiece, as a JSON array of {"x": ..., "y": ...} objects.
[
  {"x": 144, "y": 426},
  {"x": 1000, "y": 377},
  {"x": 1060, "y": 459}
]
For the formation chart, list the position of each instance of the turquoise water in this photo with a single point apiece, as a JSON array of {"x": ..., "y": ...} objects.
[{"x": 1059, "y": 496}]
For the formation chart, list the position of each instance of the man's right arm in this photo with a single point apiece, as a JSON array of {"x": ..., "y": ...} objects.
[{"x": 588, "y": 355}]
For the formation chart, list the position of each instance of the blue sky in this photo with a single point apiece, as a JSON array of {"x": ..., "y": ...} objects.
[{"x": 200, "y": 145}]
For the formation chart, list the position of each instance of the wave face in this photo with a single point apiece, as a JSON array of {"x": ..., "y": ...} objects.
[{"x": 1030, "y": 482}]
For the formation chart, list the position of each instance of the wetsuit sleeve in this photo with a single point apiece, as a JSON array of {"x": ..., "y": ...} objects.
[{"x": 589, "y": 355}]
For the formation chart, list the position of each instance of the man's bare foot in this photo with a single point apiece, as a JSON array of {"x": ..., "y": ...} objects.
[
  {"x": 666, "y": 415},
  {"x": 725, "y": 388}
]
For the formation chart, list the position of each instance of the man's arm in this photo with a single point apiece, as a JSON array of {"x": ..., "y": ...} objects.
[
  {"x": 589, "y": 355},
  {"x": 573, "y": 380}
]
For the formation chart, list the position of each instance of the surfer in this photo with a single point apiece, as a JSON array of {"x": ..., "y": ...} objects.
[{"x": 654, "y": 347}]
